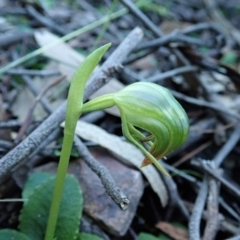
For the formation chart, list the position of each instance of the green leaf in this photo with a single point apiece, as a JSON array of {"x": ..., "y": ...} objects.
[
  {"x": 179, "y": 225},
  {"x": 74, "y": 153},
  {"x": 147, "y": 236},
  {"x": 229, "y": 58},
  {"x": 164, "y": 237},
  {"x": 88, "y": 236},
  {"x": 33, "y": 218},
  {"x": 9, "y": 234},
  {"x": 77, "y": 87},
  {"x": 35, "y": 180},
  {"x": 46, "y": 4}
]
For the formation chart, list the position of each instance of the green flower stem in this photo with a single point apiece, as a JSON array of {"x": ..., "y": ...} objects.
[
  {"x": 99, "y": 103},
  {"x": 147, "y": 106},
  {"x": 59, "y": 183},
  {"x": 74, "y": 110}
]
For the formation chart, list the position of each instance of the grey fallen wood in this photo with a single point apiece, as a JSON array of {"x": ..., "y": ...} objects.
[
  {"x": 28, "y": 145},
  {"x": 195, "y": 219},
  {"x": 98, "y": 205}
]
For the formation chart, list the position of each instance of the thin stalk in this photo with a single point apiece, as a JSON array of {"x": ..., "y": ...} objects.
[
  {"x": 63, "y": 39},
  {"x": 73, "y": 112},
  {"x": 105, "y": 26},
  {"x": 67, "y": 37},
  {"x": 59, "y": 183}
]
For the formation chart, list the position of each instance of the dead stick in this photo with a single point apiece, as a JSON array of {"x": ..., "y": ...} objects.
[{"x": 28, "y": 145}]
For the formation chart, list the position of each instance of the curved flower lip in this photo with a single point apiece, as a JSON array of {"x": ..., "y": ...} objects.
[{"x": 152, "y": 108}]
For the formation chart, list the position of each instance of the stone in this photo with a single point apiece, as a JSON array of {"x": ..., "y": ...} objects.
[{"x": 98, "y": 205}]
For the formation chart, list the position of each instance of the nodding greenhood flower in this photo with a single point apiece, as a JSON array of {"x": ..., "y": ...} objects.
[{"x": 153, "y": 109}]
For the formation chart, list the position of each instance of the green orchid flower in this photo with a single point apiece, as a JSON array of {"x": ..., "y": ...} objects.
[
  {"x": 143, "y": 106},
  {"x": 153, "y": 109}
]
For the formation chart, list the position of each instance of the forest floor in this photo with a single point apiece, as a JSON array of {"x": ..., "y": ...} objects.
[{"x": 191, "y": 48}]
